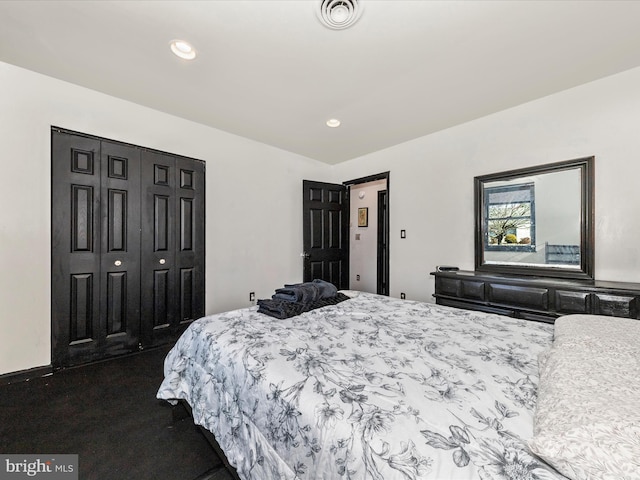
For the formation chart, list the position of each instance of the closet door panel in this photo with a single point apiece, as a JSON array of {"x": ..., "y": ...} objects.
[
  {"x": 82, "y": 312},
  {"x": 117, "y": 319},
  {"x": 188, "y": 307},
  {"x": 161, "y": 299},
  {"x": 158, "y": 270},
  {"x": 190, "y": 253},
  {"x": 76, "y": 329},
  {"x": 120, "y": 259},
  {"x": 162, "y": 223}
]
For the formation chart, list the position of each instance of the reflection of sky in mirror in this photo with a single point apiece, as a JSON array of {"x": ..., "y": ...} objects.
[{"x": 512, "y": 196}]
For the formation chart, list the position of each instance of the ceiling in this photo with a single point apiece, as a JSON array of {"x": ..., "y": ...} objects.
[{"x": 270, "y": 71}]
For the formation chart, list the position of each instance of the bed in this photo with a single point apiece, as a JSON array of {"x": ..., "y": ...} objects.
[{"x": 383, "y": 389}]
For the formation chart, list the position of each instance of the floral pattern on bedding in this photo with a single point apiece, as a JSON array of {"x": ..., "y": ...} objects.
[
  {"x": 587, "y": 422},
  {"x": 372, "y": 388}
]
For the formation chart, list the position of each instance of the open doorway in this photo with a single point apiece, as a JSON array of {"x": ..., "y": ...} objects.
[{"x": 369, "y": 234}]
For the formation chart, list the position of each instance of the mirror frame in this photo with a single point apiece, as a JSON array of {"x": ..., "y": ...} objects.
[{"x": 585, "y": 271}]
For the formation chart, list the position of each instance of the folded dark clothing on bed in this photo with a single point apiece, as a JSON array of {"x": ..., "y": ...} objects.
[
  {"x": 301, "y": 293},
  {"x": 324, "y": 302},
  {"x": 326, "y": 289},
  {"x": 286, "y": 309},
  {"x": 306, "y": 292}
]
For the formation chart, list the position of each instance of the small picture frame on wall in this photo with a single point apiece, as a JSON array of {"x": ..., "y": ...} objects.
[{"x": 363, "y": 217}]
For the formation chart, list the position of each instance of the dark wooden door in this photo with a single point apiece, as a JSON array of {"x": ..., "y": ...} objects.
[
  {"x": 172, "y": 251},
  {"x": 190, "y": 197},
  {"x": 325, "y": 222},
  {"x": 158, "y": 246},
  {"x": 120, "y": 252},
  {"x": 95, "y": 243}
]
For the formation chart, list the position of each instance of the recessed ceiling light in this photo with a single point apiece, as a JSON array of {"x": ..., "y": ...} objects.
[
  {"x": 183, "y": 49},
  {"x": 333, "y": 123}
]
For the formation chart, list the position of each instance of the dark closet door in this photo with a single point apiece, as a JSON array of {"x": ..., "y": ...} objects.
[
  {"x": 95, "y": 240},
  {"x": 158, "y": 246},
  {"x": 120, "y": 253},
  {"x": 190, "y": 239},
  {"x": 172, "y": 245},
  {"x": 127, "y": 247}
]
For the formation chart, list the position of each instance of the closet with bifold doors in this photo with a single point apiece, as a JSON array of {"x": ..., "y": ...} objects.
[{"x": 127, "y": 247}]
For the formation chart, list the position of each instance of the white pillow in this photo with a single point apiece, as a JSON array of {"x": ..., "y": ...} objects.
[{"x": 587, "y": 421}]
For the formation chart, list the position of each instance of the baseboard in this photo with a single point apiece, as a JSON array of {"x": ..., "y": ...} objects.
[{"x": 25, "y": 375}]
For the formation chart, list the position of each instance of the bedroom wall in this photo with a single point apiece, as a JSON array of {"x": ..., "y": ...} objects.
[
  {"x": 431, "y": 191},
  {"x": 250, "y": 247}
]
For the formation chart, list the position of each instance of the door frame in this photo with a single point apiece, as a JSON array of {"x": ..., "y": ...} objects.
[
  {"x": 385, "y": 228},
  {"x": 382, "y": 248}
]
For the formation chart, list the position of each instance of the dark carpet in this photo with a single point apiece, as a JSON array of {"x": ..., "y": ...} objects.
[{"x": 108, "y": 414}]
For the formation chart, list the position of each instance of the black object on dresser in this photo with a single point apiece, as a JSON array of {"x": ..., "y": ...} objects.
[{"x": 535, "y": 298}]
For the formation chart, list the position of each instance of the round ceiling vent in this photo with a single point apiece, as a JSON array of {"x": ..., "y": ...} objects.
[{"x": 339, "y": 14}]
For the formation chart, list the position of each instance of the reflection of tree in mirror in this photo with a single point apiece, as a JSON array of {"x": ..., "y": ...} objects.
[{"x": 507, "y": 220}]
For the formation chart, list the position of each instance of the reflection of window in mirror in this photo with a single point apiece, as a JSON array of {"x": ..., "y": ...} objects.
[{"x": 510, "y": 218}]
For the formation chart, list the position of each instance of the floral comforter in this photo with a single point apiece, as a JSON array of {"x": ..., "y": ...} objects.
[{"x": 372, "y": 388}]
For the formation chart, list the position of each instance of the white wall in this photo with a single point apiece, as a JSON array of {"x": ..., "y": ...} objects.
[
  {"x": 431, "y": 187},
  {"x": 253, "y": 202}
]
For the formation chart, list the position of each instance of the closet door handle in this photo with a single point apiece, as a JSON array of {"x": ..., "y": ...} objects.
[
  {"x": 117, "y": 263},
  {"x": 162, "y": 261}
]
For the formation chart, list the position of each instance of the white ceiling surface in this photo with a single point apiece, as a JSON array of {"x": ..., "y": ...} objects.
[{"x": 270, "y": 71}]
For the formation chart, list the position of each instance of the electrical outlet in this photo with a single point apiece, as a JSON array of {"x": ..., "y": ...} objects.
[
  {"x": 357, "y": 278},
  {"x": 252, "y": 296},
  {"x": 403, "y": 296}
]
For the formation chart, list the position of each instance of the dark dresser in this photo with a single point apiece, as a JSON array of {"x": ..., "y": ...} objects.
[{"x": 535, "y": 298}]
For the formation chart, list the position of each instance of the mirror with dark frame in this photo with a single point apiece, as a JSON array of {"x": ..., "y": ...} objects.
[{"x": 536, "y": 220}]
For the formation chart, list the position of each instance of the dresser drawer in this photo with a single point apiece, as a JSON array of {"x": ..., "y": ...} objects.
[
  {"x": 572, "y": 302},
  {"x": 616, "y": 305},
  {"x": 530, "y": 297},
  {"x": 460, "y": 288},
  {"x": 472, "y": 290},
  {"x": 448, "y": 286}
]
